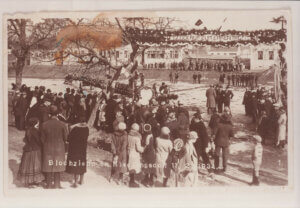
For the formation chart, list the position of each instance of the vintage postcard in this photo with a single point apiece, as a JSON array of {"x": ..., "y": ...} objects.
[{"x": 147, "y": 100}]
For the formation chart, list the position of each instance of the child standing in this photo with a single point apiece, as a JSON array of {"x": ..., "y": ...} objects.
[{"x": 256, "y": 159}]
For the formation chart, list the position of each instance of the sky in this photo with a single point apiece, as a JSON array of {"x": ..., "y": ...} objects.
[{"x": 212, "y": 19}]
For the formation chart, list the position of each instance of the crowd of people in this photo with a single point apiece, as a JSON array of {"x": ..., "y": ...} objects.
[
  {"x": 239, "y": 79},
  {"x": 199, "y": 65},
  {"x": 54, "y": 123},
  {"x": 157, "y": 140},
  {"x": 269, "y": 117}
]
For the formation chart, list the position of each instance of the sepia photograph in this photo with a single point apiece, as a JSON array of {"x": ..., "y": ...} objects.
[{"x": 147, "y": 99}]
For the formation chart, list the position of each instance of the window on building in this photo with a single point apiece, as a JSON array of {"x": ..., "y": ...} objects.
[
  {"x": 118, "y": 54},
  {"x": 171, "y": 54},
  {"x": 271, "y": 55},
  {"x": 153, "y": 55},
  {"x": 176, "y": 54},
  {"x": 260, "y": 55}
]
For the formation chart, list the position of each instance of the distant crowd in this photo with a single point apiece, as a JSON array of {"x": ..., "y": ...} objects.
[{"x": 200, "y": 65}]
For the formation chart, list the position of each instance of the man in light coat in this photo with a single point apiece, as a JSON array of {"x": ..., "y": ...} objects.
[{"x": 211, "y": 99}]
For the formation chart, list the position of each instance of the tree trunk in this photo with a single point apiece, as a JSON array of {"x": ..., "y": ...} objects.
[{"x": 19, "y": 71}]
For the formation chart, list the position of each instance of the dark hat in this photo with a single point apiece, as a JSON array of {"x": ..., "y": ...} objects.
[
  {"x": 226, "y": 117},
  {"x": 32, "y": 122},
  {"x": 53, "y": 110}
]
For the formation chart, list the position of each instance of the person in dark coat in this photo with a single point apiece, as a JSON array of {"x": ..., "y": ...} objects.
[
  {"x": 246, "y": 101},
  {"x": 110, "y": 114},
  {"x": 223, "y": 134},
  {"x": 30, "y": 169},
  {"x": 220, "y": 98},
  {"x": 155, "y": 127},
  {"x": 119, "y": 150},
  {"x": 53, "y": 137},
  {"x": 253, "y": 107},
  {"x": 199, "y": 78},
  {"x": 43, "y": 111},
  {"x": 148, "y": 156},
  {"x": 263, "y": 127},
  {"x": 76, "y": 160},
  {"x": 227, "y": 97},
  {"x": 173, "y": 125},
  {"x": 20, "y": 111},
  {"x": 161, "y": 115},
  {"x": 183, "y": 110},
  {"x": 201, "y": 143},
  {"x": 214, "y": 122}
]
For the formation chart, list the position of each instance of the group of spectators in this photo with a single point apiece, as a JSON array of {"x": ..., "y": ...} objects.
[
  {"x": 199, "y": 65},
  {"x": 160, "y": 139},
  {"x": 239, "y": 79},
  {"x": 269, "y": 117},
  {"x": 54, "y": 124},
  {"x": 146, "y": 139}
]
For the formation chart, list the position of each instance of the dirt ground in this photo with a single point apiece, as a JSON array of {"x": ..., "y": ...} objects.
[{"x": 274, "y": 169}]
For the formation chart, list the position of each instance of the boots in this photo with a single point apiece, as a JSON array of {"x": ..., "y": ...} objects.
[
  {"x": 81, "y": 179},
  {"x": 132, "y": 182},
  {"x": 151, "y": 180},
  {"x": 146, "y": 180},
  {"x": 165, "y": 181},
  {"x": 255, "y": 181}
]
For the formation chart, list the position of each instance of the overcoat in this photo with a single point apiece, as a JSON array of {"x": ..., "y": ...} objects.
[
  {"x": 188, "y": 166},
  {"x": 53, "y": 136},
  {"x": 162, "y": 151},
  {"x": 223, "y": 133},
  {"x": 134, "y": 151},
  {"x": 119, "y": 145},
  {"x": 281, "y": 132},
  {"x": 211, "y": 98}
]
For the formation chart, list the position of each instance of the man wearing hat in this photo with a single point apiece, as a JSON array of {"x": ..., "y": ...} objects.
[
  {"x": 20, "y": 110},
  {"x": 201, "y": 144},
  {"x": 172, "y": 124},
  {"x": 224, "y": 132},
  {"x": 256, "y": 159},
  {"x": 53, "y": 137},
  {"x": 228, "y": 96}
]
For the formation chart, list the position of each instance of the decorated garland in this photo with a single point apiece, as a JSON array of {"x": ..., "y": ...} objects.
[{"x": 206, "y": 37}]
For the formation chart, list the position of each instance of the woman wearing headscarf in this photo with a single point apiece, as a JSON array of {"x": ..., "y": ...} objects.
[
  {"x": 134, "y": 153},
  {"x": 76, "y": 160},
  {"x": 30, "y": 169},
  {"x": 119, "y": 150},
  {"x": 188, "y": 164},
  {"x": 163, "y": 148}
]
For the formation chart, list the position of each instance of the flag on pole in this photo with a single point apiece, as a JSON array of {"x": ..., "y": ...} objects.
[{"x": 199, "y": 22}]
